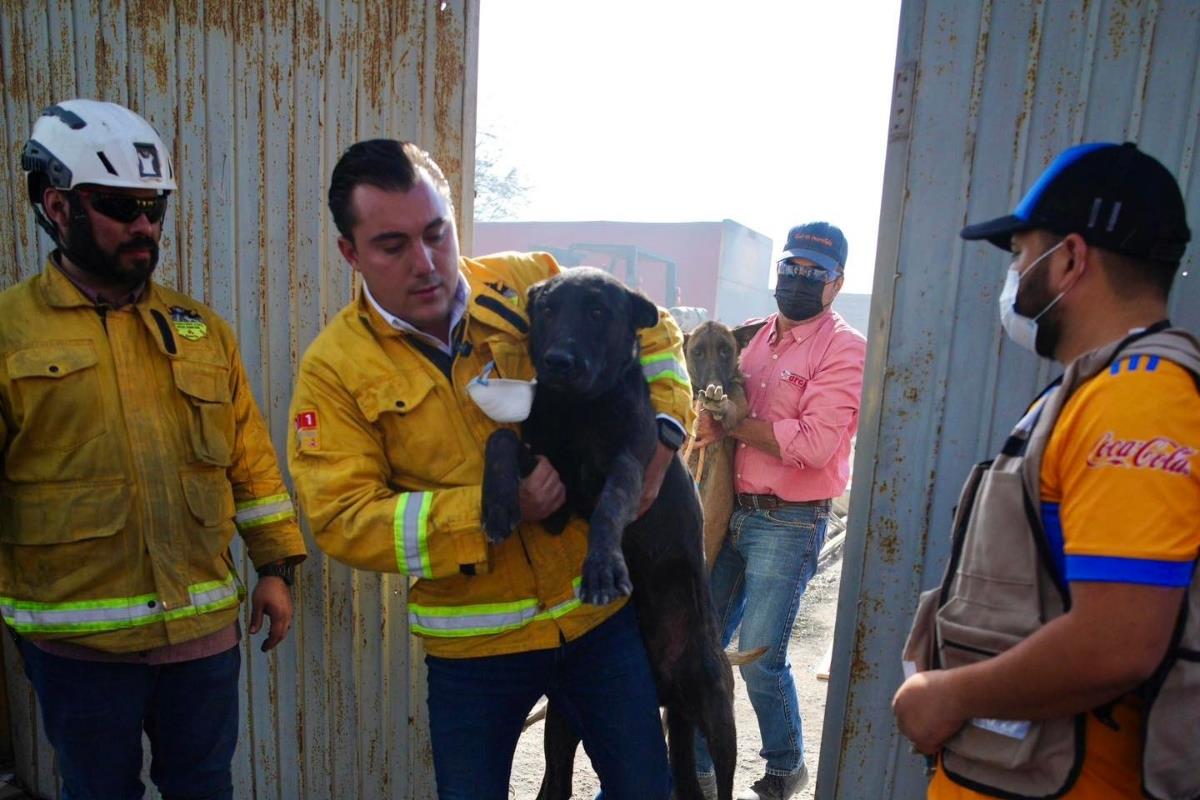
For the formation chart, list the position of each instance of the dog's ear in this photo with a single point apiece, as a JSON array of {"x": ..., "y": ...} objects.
[
  {"x": 531, "y": 294},
  {"x": 743, "y": 333},
  {"x": 642, "y": 309}
]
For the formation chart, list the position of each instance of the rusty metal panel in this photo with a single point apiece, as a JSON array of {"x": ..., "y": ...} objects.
[
  {"x": 986, "y": 94},
  {"x": 257, "y": 100}
]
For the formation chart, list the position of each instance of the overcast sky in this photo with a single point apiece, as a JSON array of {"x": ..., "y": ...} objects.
[{"x": 767, "y": 113}]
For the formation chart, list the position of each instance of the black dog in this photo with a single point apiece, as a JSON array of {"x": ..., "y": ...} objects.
[{"x": 593, "y": 419}]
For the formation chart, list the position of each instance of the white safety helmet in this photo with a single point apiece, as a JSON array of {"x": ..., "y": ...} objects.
[{"x": 78, "y": 142}]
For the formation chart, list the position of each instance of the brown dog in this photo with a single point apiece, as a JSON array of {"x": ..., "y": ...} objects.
[{"x": 712, "y": 351}]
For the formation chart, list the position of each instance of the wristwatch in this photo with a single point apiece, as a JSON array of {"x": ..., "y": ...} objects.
[
  {"x": 670, "y": 434},
  {"x": 279, "y": 569}
]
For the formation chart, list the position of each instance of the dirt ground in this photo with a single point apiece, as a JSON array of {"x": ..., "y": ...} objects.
[{"x": 811, "y": 638}]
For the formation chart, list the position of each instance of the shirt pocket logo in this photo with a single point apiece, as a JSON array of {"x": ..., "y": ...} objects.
[{"x": 787, "y": 376}]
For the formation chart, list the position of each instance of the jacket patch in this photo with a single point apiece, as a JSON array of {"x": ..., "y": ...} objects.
[
  {"x": 504, "y": 291},
  {"x": 308, "y": 432},
  {"x": 188, "y": 323},
  {"x": 795, "y": 380},
  {"x": 1160, "y": 453}
]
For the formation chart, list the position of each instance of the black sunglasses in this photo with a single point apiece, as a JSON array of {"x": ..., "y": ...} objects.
[{"x": 127, "y": 208}]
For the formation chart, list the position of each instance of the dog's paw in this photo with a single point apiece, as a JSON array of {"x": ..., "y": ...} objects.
[
  {"x": 714, "y": 400},
  {"x": 501, "y": 485},
  {"x": 605, "y": 578},
  {"x": 500, "y": 518}
]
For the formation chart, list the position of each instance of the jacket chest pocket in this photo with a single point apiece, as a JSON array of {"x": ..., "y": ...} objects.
[
  {"x": 419, "y": 436},
  {"x": 512, "y": 359},
  {"x": 209, "y": 406},
  {"x": 57, "y": 388}
]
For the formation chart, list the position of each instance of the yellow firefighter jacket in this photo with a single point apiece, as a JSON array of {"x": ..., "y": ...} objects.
[
  {"x": 132, "y": 449},
  {"x": 387, "y": 455}
]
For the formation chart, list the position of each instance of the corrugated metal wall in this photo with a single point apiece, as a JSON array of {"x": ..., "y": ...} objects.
[
  {"x": 257, "y": 100},
  {"x": 986, "y": 93}
]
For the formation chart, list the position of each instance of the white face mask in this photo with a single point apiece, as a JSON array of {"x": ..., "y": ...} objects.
[
  {"x": 502, "y": 400},
  {"x": 1021, "y": 329}
]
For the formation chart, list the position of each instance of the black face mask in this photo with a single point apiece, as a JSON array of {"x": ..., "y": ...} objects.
[{"x": 799, "y": 298}]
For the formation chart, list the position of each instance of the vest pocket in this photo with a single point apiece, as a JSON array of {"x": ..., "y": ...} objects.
[
  {"x": 921, "y": 646},
  {"x": 58, "y": 540},
  {"x": 57, "y": 392},
  {"x": 960, "y": 645},
  {"x": 209, "y": 496},
  {"x": 419, "y": 438},
  {"x": 1172, "y": 719},
  {"x": 210, "y": 406}
]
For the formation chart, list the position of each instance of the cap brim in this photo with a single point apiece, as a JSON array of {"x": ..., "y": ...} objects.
[
  {"x": 998, "y": 231},
  {"x": 822, "y": 260}
]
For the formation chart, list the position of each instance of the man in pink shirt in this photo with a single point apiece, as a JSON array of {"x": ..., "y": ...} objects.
[{"x": 803, "y": 373}]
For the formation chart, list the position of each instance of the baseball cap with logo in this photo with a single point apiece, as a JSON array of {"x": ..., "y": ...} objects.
[
  {"x": 1113, "y": 195},
  {"x": 819, "y": 242}
]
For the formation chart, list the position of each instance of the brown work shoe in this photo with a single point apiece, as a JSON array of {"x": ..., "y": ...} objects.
[{"x": 776, "y": 787}]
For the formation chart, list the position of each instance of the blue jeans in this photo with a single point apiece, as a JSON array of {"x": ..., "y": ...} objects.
[
  {"x": 602, "y": 681},
  {"x": 94, "y": 714},
  {"x": 759, "y": 576}
]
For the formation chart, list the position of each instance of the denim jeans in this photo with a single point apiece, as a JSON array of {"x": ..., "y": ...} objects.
[
  {"x": 602, "y": 681},
  {"x": 94, "y": 714},
  {"x": 759, "y": 576}
]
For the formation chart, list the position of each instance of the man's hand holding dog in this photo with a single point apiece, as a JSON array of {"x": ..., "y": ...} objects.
[
  {"x": 541, "y": 493},
  {"x": 708, "y": 429}
]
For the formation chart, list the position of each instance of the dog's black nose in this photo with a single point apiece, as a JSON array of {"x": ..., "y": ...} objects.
[{"x": 558, "y": 361}]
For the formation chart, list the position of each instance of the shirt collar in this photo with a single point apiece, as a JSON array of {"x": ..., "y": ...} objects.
[
  {"x": 458, "y": 309},
  {"x": 61, "y": 295},
  {"x": 804, "y": 329}
]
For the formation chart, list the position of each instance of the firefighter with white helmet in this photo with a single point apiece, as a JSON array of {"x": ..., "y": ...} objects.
[{"x": 131, "y": 452}]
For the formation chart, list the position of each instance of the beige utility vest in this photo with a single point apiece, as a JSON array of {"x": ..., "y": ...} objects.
[{"x": 1000, "y": 586}]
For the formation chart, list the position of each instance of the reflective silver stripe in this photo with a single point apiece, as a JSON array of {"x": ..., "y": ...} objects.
[
  {"x": 667, "y": 367},
  {"x": 27, "y": 616},
  {"x": 252, "y": 513},
  {"x": 474, "y": 622},
  {"x": 448, "y": 621},
  {"x": 214, "y": 595},
  {"x": 411, "y": 523}
]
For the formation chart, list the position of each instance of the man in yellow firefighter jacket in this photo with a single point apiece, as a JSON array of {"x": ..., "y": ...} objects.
[
  {"x": 1060, "y": 657},
  {"x": 387, "y": 454},
  {"x": 132, "y": 451}
]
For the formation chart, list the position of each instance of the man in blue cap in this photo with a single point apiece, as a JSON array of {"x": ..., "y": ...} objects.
[
  {"x": 1059, "y": 658},
  {"x": 803, "y": 372}
]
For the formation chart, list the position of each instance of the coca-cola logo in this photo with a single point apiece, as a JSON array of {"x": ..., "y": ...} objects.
[{"x": 1158, "y": 453}]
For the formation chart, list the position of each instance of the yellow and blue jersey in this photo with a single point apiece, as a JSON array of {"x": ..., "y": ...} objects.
[
  {"x": 1120, "y": 480},
  {"x": 1120, "y": 492}
]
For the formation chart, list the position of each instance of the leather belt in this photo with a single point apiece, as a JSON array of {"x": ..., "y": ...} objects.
[{"x": 768, "y": 502}]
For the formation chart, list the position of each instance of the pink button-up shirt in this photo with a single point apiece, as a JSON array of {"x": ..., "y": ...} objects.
[{"x": 807, "y": 383}]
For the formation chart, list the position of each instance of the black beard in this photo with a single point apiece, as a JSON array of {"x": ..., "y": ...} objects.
[
  {"x": 79, "y": 245},
  {"x": 1031, "y": 302}
]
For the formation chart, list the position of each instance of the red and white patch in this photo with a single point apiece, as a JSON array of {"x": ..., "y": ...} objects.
[
  {"x": 307, "y": 431},
  {"x": 1159, "y": 453},
  {"x": 798, "y": 381}
]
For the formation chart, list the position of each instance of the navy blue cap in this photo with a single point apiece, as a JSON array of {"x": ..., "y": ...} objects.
[
  {"x": 819, "y": 242},
  {"x": 1113, "y": 195}
]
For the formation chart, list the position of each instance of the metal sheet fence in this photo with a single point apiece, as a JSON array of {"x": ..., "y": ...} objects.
[
  {"x": 986, "y": 93},
  {"x": 257, "y": 100}
]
